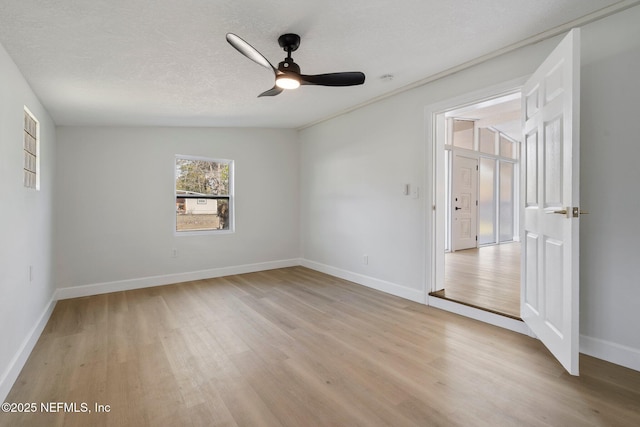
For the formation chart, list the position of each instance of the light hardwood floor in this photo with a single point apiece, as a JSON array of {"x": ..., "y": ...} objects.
[
  {"x": 487, "y": 277},
  {"x": 294, "y": 347}
]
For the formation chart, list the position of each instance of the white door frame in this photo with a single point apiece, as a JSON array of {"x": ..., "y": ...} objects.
[{"x": 435, "y": 230}]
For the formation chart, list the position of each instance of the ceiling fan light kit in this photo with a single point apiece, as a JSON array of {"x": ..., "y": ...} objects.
[
  {"x": 288, "y": 75},
  {"x": 285, "y": 81}
]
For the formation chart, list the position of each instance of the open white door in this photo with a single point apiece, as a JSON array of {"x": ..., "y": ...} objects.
[{"x": 550, "y": 186}]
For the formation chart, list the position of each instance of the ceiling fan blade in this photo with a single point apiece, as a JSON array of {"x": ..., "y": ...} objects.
[
  {"x": 249, "y": 51},
  {"x": 352, "y": 78},
  {"x": 272, "y": 92}
]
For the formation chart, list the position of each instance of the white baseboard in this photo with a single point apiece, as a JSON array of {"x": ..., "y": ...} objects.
[
  {"x": 605, "y": 350},
  {"x": 370, "y": 282},
  {"x": 481, "y": 315},
  {"x": 611, "y": 352},
  {"x": 168, "y": 279},
  {"x": 9, "y": 377}
]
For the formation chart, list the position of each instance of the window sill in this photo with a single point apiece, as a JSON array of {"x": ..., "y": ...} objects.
[{"x": 202, "y": 233}]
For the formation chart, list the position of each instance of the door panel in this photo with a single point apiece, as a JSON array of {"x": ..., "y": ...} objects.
[
  {"x": 531, "y": 169},
  {"x": 553, "y": 163},
  {"x": 530, "y": 282},
  {"x": 550, "y": 183}
]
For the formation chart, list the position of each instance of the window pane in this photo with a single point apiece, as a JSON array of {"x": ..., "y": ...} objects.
[
  {"x": 202, "y": 176},
  {"x": 487, "y": 204},
  {"x": 201, "y": 214},
  {"x": 463, "y": 133},
  {"x": 30, "y": 148},
  {"x": 202, "y": 194},
  {"x": 507, "y": 148},
  {"x": 487, "y": 141},
  {"x": 506, "y": 202}
]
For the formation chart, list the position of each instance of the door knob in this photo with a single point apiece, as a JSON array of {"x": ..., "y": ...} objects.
[
  {"x": 564, "y": 212},
  {"x": 457, "y": 208},
  {"x": 575, "y": 212}
]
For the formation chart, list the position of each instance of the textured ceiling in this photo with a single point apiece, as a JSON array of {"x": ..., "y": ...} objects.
[{"x": 166, "y": 62}]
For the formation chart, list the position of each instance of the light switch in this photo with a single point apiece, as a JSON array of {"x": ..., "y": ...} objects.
[{"x": 414, "y": 192}]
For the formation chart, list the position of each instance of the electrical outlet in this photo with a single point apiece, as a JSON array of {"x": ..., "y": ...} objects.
[
  {"x": 365, "y": 259},
  {"x": 174, "y": 253},
  {"x": 30, "y": 273}
]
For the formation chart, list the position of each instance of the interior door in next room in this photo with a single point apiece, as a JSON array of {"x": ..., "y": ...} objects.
[{"x": 464, "y": 203}]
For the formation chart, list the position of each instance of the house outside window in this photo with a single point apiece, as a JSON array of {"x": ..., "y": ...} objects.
[{"x": 203, "y": 194}]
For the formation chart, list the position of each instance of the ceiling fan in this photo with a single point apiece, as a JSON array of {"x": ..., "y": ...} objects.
[{"x": 288, "y": 74}]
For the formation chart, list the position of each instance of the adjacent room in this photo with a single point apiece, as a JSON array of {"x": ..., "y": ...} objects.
[
  {"x": 301, "y": 213},
  {"x": 482, "y": 200}
]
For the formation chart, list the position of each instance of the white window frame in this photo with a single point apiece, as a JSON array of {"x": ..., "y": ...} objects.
[{"x": 230, "y": 197}]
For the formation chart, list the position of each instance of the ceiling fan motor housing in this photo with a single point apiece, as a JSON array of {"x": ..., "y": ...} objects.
[
  {"x": 289, "y": 42},
  {"x": 289, "y": 65}
]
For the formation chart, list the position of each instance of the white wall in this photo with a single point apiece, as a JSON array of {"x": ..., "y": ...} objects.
[
  {"x": 25, "y": 226},
  {"x": 610, "y": 175},
  {"x": 114, "y": 243},
  {"x": 353, "y": 167}
]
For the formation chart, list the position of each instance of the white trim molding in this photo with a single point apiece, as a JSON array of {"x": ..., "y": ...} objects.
[
  {"x": 370, "y": 282},
  {"x": 9, "y": 376},
  {"x": 611, "y": 352},
  {"x": 481, "y": 315},
  {"x": 169, "y": 279}
]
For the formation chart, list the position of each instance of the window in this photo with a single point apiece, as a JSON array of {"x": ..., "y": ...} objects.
[
  {"x": 507, "y": 147},
  {"x": 487, "y": 202},
  {"x": 31, "y": 165},
  {"x": 204, "y": 194},
  {"x": 463, "y": 133},
  {"x": 507, "y": 202},
  {"x": 487, "y": 140}
]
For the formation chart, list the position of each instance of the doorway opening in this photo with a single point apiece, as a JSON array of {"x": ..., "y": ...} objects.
[
  {"x": 549, "y": 217},
  {"x": 480, "y": 158}
]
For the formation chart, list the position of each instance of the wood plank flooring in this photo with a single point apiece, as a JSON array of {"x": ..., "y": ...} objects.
[
  {"x": 487, "y": 277},
  {"x": 294, "y": 347}
]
